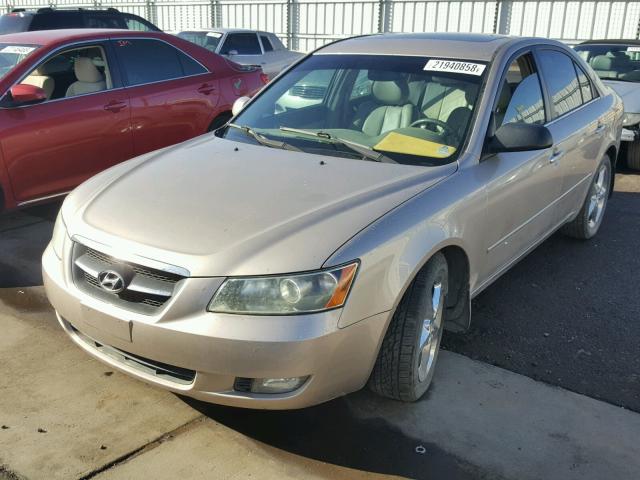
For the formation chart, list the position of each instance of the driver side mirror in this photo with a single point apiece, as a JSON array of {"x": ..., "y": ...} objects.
[
  {"x": 24, "y": 94},
  {"x": 239, "y": 104},
  {"x": 520, "y": 137}
]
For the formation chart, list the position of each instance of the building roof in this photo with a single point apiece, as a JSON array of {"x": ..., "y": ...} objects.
[{"x": 445, "y": 45}]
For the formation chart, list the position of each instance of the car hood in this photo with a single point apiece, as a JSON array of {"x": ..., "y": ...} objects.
[
  {"x": 220, "y": 208},
  {"x": 629, "y": 92}
]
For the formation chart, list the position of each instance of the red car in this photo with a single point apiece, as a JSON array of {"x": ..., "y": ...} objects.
[{"x": 74, "y": 102}]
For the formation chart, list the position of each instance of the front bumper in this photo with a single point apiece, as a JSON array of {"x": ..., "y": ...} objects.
[{"x": 217, "y": 348}]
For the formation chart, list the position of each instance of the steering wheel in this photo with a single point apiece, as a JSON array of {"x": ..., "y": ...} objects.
[{"x": 423, "y": 122}]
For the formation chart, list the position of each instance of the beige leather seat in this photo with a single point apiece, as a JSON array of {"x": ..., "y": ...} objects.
[
  {"x": 40, "y": 78},
  {"x": 390, "y": 111},
  {"x": 89, "y": 78}
]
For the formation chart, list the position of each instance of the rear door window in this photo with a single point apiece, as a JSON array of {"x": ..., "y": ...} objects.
[
  {"x": 149, "y": 61},
  {"x": 241, "y": 44},
  {"x": 585, "y": 84},
  {"x": 138, "y": 24},
  {"x": 92, "y": 20},
  {"x": 266, "y": 44},
  {"x": 562, "y": 81}
]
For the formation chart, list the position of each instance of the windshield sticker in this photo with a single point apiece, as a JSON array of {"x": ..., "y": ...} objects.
[
  {"x": 633, "y": 49},
  {"x": 17, "y": 50},
  {"x": 400, "y": 143},
  {"x": 454, "y": 66}
]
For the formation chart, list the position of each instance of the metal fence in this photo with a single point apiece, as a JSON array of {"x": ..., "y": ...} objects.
[{"x": 307, "y": 24}]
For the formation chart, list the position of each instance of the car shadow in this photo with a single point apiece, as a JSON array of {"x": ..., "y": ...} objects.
[
  {"x": 24, "y": 234},
  {"x": 332, "y": 433}
]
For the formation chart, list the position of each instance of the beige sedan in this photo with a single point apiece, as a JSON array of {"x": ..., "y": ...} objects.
[{"x": 297, "y": 255}]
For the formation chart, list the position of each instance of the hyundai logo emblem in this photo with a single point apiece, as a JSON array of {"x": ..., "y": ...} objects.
[{"x": 111, "y": 281}]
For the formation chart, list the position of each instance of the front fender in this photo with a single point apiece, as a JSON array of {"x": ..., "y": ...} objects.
[{"x": 394, "y": 248}]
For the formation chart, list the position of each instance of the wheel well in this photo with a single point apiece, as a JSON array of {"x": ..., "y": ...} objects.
[
  {"x": 613, "y": 155},
  {"x": 458, "y": 312},
  {"x": 220, "y": 120}
]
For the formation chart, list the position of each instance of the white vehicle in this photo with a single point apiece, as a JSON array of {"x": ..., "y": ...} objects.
[
  {"x": 247, "y": 47},
  {"x": 617, "y": 63}
]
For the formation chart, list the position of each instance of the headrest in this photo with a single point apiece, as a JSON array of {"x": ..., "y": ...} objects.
[
  {"x": 86, "y": 71},
  {"x": 602, "y": 62},
  {"x": 55, "y": 65},
  {"x": 392, "y": 92}
]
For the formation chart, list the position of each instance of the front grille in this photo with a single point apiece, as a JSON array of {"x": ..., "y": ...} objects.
[
  {"x": 308, "y": 91},
  {"x": 165, "y": 371},
  {"x": 147, "y": 289}
]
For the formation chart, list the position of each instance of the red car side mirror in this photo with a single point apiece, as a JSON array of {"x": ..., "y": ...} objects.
[{"x": 23, "y": 94}]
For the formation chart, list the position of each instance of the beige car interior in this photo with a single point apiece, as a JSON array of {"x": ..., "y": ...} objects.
[
  {"x": 71, "y": 73},
  {"x": 391, "y": 110},
  {"x": 90, "y": 79}
]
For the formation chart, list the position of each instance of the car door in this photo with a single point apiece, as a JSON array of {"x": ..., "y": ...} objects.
[
  {"x": 243, "y": 48},
  {"x": 81, "y": 129},
  {"x": 173, "y": 97},
  {"x": 577, "y": 126},
  {"x": 521, "y": 187}
]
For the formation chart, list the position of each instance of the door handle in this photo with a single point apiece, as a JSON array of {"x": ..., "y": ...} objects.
[
  {"x": 206, "y": 89},
  {"x": 115, "y": 106},
  {"x": 599, "y": 129},
  {"x": 555, "y": 156}
]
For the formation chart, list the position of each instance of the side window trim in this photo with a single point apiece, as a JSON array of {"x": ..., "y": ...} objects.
[
  {"x": 114, "y": 69},
  {"x": 122, "y": 70}
]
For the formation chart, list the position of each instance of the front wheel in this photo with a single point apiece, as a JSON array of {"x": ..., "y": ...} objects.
[
  {"x": 407, "y": 358},
  {"x": 589, "y": 219}
]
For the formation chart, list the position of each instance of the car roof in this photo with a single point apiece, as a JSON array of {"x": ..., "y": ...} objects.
[
  {"x": 612, "y": 42},
  {"x": 445, "y": 45},
  {"x": 223, "y": 30},
  {"x": 48, "y": 37}
]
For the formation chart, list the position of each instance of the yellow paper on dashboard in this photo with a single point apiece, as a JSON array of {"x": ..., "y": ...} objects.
[{"x": 400, "y": 143}]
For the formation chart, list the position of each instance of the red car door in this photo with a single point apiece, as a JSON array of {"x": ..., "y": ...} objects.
[
  {"x": 173, "y": 97},
  {"x": 82, "y": 128}
]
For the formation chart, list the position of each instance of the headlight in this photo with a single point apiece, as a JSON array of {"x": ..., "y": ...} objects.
[
  {"x": 285, "y": 294},
  {"x": 59, "y": 234},
  {"x": 630, "y": 119}
]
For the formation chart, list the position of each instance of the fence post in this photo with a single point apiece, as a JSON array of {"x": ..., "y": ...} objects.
[
  {"x": 293, "y": 24},
  {"x": 216, "y": 13},
  {"x": 385, "y": 15},
  {"x": 502, "y": 18},
  {"x": 151, "y": 11}
]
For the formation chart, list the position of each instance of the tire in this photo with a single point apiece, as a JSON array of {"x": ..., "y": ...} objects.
[
  {"x": 219, "y": 121},
  {"x": 401, "y": 371},
  {"x": 588, "y": 221},
  {"x": 632, "y": 154}
]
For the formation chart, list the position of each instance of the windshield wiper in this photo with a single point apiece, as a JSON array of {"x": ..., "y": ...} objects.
[
  {"x": 366, "y": 152},
  {"x": 262, "y": 140}
]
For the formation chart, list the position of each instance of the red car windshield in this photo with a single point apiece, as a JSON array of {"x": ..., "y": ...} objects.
[{"x": 11, "y": 55}]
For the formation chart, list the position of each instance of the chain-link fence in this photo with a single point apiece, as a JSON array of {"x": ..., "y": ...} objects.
[{"x": 307, "y": 24}]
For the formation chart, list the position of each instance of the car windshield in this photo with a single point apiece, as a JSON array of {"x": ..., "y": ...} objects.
[
  {"x": 612, "y": 62},
  {"x": 411, "y": 110},
  {"x": 14, "y": 23},
  {"x": 208, "y": 40},
  {"x": 11, "y": 55}
]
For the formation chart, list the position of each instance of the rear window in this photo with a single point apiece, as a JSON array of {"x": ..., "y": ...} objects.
[
  {"x": 14, "y": 23},
  {"x": 241, "y": 44},
  {"x": 56, "y": 21}
]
